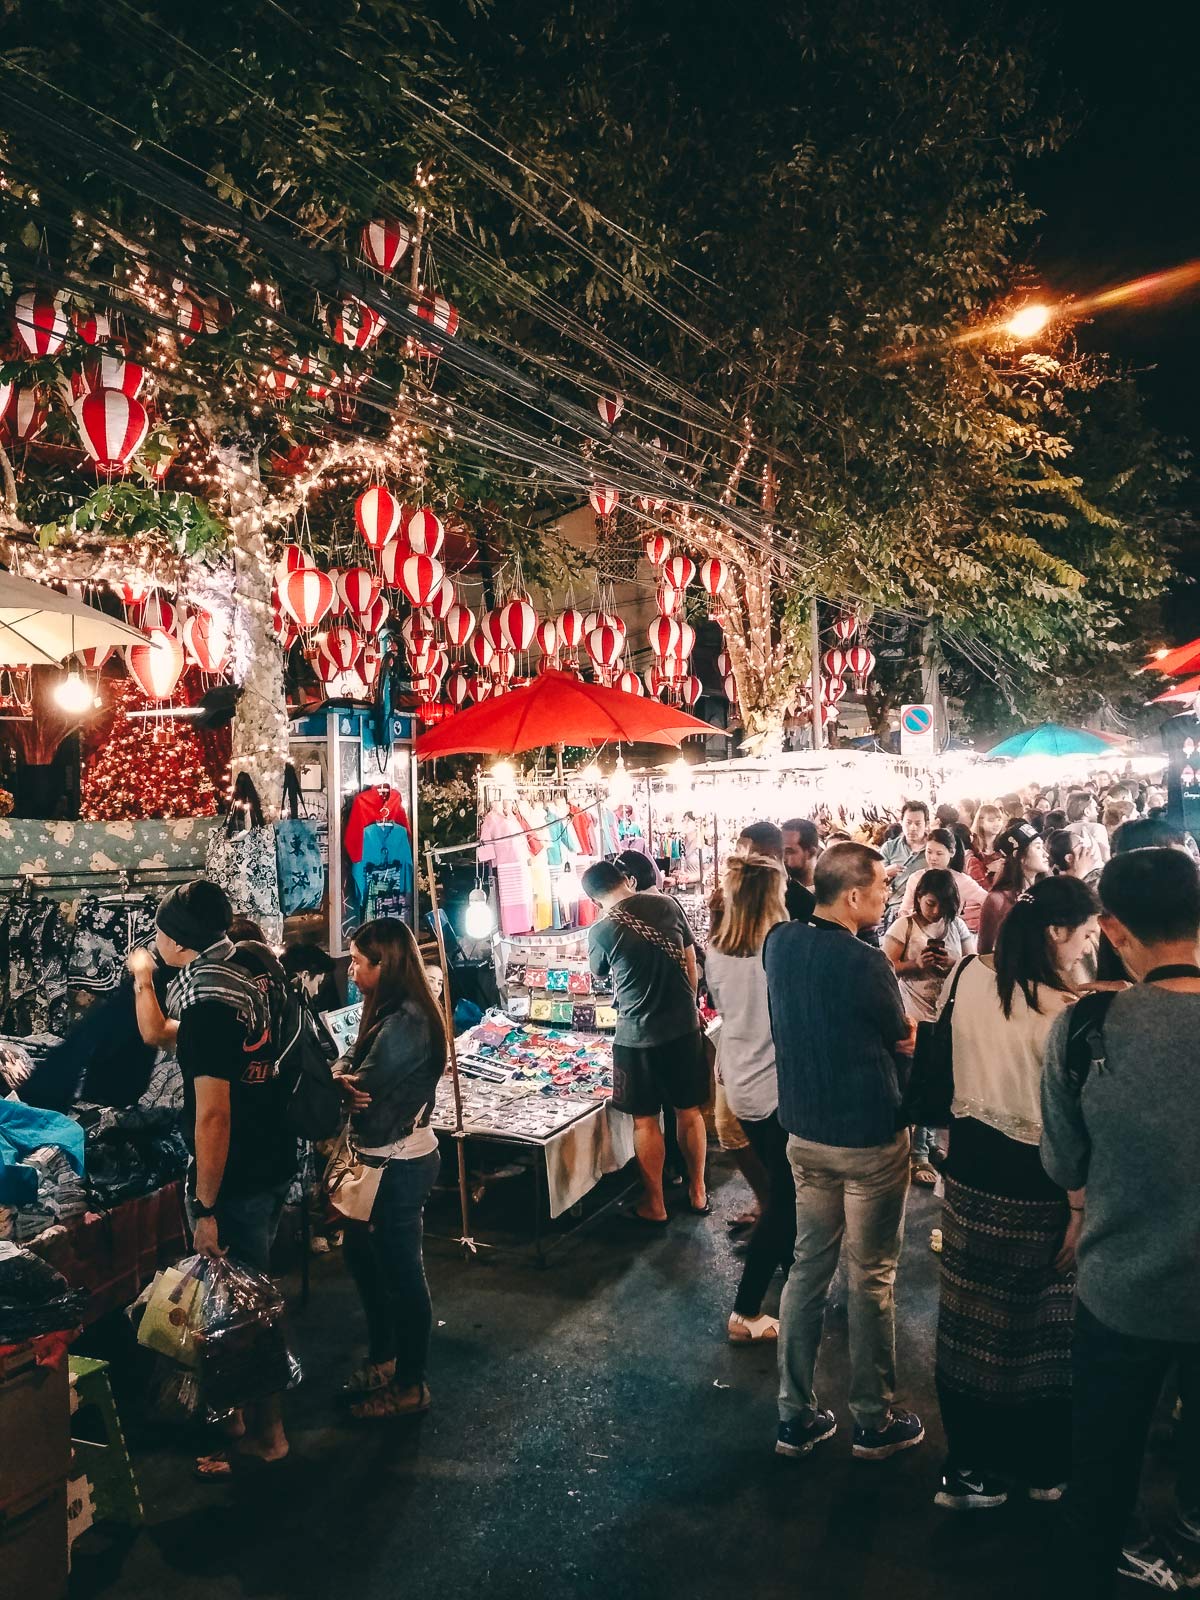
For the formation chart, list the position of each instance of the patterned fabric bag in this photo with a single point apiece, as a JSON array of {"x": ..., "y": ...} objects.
[
  {"x": 241, "y": 858},
  {"x": 297, "y": 853}
]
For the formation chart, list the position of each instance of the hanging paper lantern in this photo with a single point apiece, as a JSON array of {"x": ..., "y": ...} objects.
[
  {"x": 664, "y": 636},
  {"x": 690, "y": 690},
  {"x": 604, "y": 645},
  {"x": 673, "y": 669},
  {"x": 630, "y": 683},
  {"x": 112, "y": 427},
  {"x": 519, "y": 621},
  {"x": 292, "y": 559},
  {"x": 654, "y": 683},
  {"x": 502, "y": 665},
  {"x": 342, "y": 645},
  {"x": 603, "y": 500},
  {"x": 729, "y": 684},
  {"x": 492, "y": 625},
  {"x": 439, "y": 666},
  {"x": 437, "y": 311},
  {"x": 369, "y": 663},
  {"x": 610, "y": 410},
  {"x": 385, "y": 243},
  {"x": 714, "y": 575},
  {"x": 390, "y": 560},
  {"x": 667, "y": 600},
  {"x": 658, "y": 549},
  {"x": 845, "y": 626},
  {"x": 94, "y": 327},
  {"x": 458, "y": 687},
  {"x": 357, "y": 326},
  {"x": 480, "y": 688},
  {"x": 376, "y": 614},
  {"x": 157, "y": 615},
  {"x": 282, "y": 377},
  {"x": 113, "y": 372},
  {"x": 483, "y": 651},
  {"x": 652, "y": 505},
  {"x": 6, "y": 394},
  {"x": 570, "y": 627},
  {"x": 206, "y": 642},
  {"x": 687, "y": 638},
  {"x": 318, "y": 379},
  {"x": 834, "y": 662},
  {"x": 547, "y": 637},
  {"x": 609, "y": 619},
  {"x": 724, "y": 665},
  {"x": 306, "y": 595},
  {"x": 416, "y": 631},
  {"x": 377, "y": 515},
  {"x": 27, "y": 416},
  {"x": 460, "y": 624},
  {"x": 40, "y": 323},
  {"x": 325, "y": 667},
  {"x": 679, "y": 571},
  {"x": 421, "y": 659},
  {"x": 444, "y": 597},
  {"x": 132, "y": 592},
  {"x": 591, "y": 619},
  {"x": 189, "y": 319},
  {"x": 833, "y": 689},
  {"x": 861, "y": 662},
  {"x": 425, "y": 533},
  {"x": 358, "y": 588},
  {"x": 156, "y": 665}
]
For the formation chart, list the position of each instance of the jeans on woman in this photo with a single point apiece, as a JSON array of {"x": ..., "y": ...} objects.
[
  {"x": 384, "y": 1257},
  {"x": 924, "y": 1141},
  {"x": 773, "y": 1241}
]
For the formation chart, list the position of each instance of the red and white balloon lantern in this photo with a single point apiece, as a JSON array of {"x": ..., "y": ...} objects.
[
  {"x": 357, "y": 326},
  {"x": 861, "y": 662},
  {"x": 459, "y": 623},
  {"x": 610, "y": 408},
  {"x": 444, "y": 596},
  {"x": 206, "y": 642},
  {"x": 343, "y": 646},
  {"x": 385, "y": 243},
  {"x": 604, "y": 644},
  {"x": 358, "y": 588},
  {"x": 658, "y": 549},
  {"x": 834, "y": 662},
  {"x": 570, "y": 628},
  {"x": 630, "y": 683},
  {"x": 547, "y": 637},
  {"x": 306, "y": 596},
  {"x": 690, "y": 690},
  {"x": 679, "y": 571},
  {"x": 112, "y": 427},
  {"x": 113, "y": 372},
  {"x": 424, "y": 532},
  {"x": 40, "y": 323},
  {"x": 664, "y": 636},
  {"x": 845, "y": 626},
  {"x": 156, "y": 666},
  {"x": 603, "y": 500},
  {"x": 377, "y": 515},
  {"x": 519, "y": 621}
]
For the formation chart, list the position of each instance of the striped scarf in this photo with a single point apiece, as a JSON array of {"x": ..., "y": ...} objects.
[{"x": 215, "y": 975}]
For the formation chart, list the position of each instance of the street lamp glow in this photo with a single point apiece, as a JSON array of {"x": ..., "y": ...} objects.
[
  {"x": 74, "y": 694},
  {"x": 1028, "y": 322}
]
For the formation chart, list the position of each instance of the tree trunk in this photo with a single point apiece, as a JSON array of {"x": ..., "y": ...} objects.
[{"x": 260, "y": 733}]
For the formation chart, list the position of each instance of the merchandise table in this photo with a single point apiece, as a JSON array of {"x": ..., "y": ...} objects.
[
  {"x": 114, "y": 1255},
  {"x": 545, "y": 1092}
]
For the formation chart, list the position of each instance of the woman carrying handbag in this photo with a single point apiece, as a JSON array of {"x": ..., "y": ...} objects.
[
  {"x": 381, "y": 1175},
  {"x": 1003, "y": 1365}
]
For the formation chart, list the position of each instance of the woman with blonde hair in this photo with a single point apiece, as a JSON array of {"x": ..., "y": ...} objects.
[
  {"x": 984, "y": 860},
  {"x": 390, "y": 1080},
  {"x": 752, "y": 903}
]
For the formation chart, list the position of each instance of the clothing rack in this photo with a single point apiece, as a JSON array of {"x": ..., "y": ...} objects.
[{"x": 31, "y": 879}]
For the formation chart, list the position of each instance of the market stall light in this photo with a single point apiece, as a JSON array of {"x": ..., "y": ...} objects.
[
  {"x": 590, "y": 773},
  {"x": 479, "y": 921},
  {"x": 74, "y": 694},
  {"x": 681, "y": 774},
  {"x": 620, "y": 784},
  {"x": 504, "y": 772}
]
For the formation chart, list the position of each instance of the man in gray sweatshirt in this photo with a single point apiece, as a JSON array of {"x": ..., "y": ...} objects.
[{"x": 1121, "y": 1117}]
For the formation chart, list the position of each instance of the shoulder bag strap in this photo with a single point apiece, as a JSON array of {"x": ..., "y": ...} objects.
[{"x": 626, "y": 919}]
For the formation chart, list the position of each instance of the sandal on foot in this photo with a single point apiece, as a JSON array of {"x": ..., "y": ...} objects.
[
  {"x": 924, "y": 1174},
  {"x": 389, "y": 1403},
  {"x": 744, "y": 1219},
  {"x": 368, "y": 1378},
  {"x": 752, "y": 1330}
]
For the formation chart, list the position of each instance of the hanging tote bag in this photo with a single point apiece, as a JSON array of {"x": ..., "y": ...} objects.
[
  {"x": 930, "y": 1092},
  {"x": 241, "y": 858},
  {"x": 297, "y": 853}
]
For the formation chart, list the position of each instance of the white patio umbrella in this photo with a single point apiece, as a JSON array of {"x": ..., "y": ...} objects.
[{"x": 41, "y": 627}]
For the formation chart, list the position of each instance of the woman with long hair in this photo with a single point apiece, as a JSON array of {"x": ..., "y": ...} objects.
[
  {"x": 1025, "y": 862},
  {"x": 752, "y": 903},
  {"x": 924, "y": 946},
  {"x": 1008, "y": 1234},
  {"x": 944, "y": 853},
  {"x": 984, "y": 860},
  {"x": 390, "y": 1080}
]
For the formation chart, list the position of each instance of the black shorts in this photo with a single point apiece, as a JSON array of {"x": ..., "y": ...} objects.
[{"x": 647, "y": 1077}]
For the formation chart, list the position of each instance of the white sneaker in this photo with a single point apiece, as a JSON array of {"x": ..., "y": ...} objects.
[{"x": 750, "y": 1330}]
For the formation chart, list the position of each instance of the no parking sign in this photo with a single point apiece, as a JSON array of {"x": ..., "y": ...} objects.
[{"x": 917, "y": 731}]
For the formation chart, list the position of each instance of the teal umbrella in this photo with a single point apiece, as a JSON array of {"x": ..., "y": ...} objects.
[{"x": 1053, "y": 739}]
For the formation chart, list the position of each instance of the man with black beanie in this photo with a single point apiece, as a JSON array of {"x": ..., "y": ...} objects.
[{"x": 244, "y": 1158}]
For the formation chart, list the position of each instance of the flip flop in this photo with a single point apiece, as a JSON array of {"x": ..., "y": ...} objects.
[{"x": 925, "y": 1174}]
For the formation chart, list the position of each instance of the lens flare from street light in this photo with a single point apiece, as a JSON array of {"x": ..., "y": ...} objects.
[{"x": 1028, "y": 322}]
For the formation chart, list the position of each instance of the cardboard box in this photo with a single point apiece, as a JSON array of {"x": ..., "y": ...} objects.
[
  {"x": 33, "y": 1545},
  {"x": 35, "y": 1425}
]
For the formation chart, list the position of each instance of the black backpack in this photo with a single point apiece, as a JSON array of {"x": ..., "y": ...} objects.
[
  {"x": 1085, "y": 1037},
  {"x": 314, "y": 1106}
]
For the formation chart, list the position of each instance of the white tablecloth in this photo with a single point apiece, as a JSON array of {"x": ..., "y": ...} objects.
[{"x": 579, "y": 1156}]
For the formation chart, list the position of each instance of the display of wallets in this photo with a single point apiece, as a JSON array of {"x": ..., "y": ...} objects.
[
  {"x": 516, "y": 973},
  {"x": 585, "y": 1016},
  {"x": 579, "y": 983},
  {"x": 602, "y": 985},
  {"x": 562, "y": 1011},
  {"x": 556, "y": 980},
  {"x": 541, "y": 1009},
  {"x": 535, "y": 977},
  {"x": 518, "y": 1006},
  {"x": 606, "y": 1016}
]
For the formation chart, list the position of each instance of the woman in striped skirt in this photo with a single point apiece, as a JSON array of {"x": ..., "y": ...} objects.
[{"x": 1008, "y": 1253}]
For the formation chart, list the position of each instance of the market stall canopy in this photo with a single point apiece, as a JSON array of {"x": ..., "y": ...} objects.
[
  {"x": 557, "y": 708},
  {"x": 1187, "y": 690},
  {"x": 1185, "y": 658},
  {"x": 41, "y": 627},
  {"x": 1053, "y": 739}
]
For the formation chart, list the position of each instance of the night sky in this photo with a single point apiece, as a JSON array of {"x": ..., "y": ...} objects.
[{"x": 1122, "y": 198}]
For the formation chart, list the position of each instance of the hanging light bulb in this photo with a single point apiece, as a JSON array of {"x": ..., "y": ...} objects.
[
  {"x": 620, "y": 784},
  {"x": 504, "y": 772},
  {"x": 479, "y": 921},
  {"x": 681, "y": 774},
  {"x": 74, "y": 694}
]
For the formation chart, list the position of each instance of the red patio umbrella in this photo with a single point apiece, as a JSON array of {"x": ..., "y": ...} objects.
[
  {"x": 1187, "y": 690},
  {"x": 1185, "y": 658},
  {"x": 557, "y": 708}
]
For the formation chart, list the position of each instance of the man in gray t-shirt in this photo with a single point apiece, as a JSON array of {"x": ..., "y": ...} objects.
[
  {"x": 645, "y": 944},
  {"x": 1121, "y": 1118}
]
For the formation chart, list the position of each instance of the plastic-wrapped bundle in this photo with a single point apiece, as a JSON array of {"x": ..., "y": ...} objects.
[
  {"x": 224, "y": 1327},
  {"x": 34, "y": 1299}
]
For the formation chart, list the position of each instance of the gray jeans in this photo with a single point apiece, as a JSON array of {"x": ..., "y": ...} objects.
[{"x": 858, "y": 1194}]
